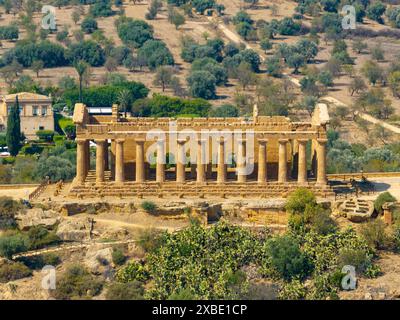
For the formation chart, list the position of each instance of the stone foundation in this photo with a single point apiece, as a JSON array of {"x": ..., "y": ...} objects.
[{"x": 194, "y": 190}]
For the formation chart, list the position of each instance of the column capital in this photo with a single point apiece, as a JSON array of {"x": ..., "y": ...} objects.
[
  {"x": 140, "y": 140},
  {"x": 80, "y": 140},
  {"x": 100, "y": 141},
  {"x": 283, "y": 141},
  {"x": 262, "y": 141},
  {"x": 302, "y": 141},
  {"x": 322, "y": 140},
  {"x": 221, "y": 140},
  {"x": 182, "y": 141},
  {"x": 120, "y": 141}
]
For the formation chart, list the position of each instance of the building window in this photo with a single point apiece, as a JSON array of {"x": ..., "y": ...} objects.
[
  {"x": 35, "y": 111},
  {"x": 44, "y": 111},
  {"x": 41, "y": 128}
]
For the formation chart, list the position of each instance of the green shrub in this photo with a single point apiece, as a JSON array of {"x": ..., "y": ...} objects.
[
  {"x": 293, "y": 290},
  {"x": 382, "y": 199},
  {"x": 105, "y": 96},
  {"x": 149, "y": 239},
  {"x": 13, "y": 244},
  {"x": 287, "y": 258},
  {"x": 204, "y": 261},
  {"x": 149, "y": 207},
  {"x": 40, "y": 237},
  {"x": 298, "y": 201},
  {"x": 8, "y": 209},
  {"x": 77, "y": 283},
  {"x": 134, "y": 271},
  {"x": 8, "y": 160},
  {"x": 306, "y": 214},
  {"x": 125, "y": 291},
  {"x": 89, "y": 25},
  {"x": 13, "y": 271},
  {"x": 373, "y": 271},
  {"x": 38, "y": 262},
  {"x": 31, "y": 149},
  {"x": 5, "y": 174},
  {"x": 118, "y": 257},
  {"x": 10, "y": 32},
  {"x": 163, "y": 106},
  {"x": 354, "y": 257},
  {"x": 45, "y": 135},
  {"x": 374, "y": 234},
  {"x": 58, "y": 139},
  {"x": 182, "y": 295},
  {"x": 322, "y": 223}
]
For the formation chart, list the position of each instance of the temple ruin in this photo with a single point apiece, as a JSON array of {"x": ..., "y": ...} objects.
[{"x": 254, "y": 157}]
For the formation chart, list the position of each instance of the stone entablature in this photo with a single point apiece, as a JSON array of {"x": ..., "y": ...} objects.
[{"x": 257, "y": 149}]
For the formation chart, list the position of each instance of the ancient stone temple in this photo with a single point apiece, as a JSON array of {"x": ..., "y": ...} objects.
[{"x": 254, "y": 157}]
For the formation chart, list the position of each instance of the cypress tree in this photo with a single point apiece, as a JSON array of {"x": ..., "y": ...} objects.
[{"x": 13, "y": 135}]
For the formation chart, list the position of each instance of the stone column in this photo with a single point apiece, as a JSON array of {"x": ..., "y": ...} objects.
[
  {"x": 181, "y": 162},
  {"x": 119, "y": 161},
  {"x": 302, "y": 168},
  {"x": 140, "y": 170},
  {"x": 87, "y": 156},
  {"x": 282, "y": 173},
  {"x": 112, "y": 165},
  {"x": 209, "y": 165},
  {"x": 160, "y": 169},
  {"x": 321, "y": 161},
  {"x": 106, "y": 156},
  {"x": 262, "y": 161},
  {"x": 100, "y": 163},
  {"x": 80, "y": 161},
  {"x": 387, "y": 214},
  {"x": 221, "y": 162},
  {"x": 241, "y": 161},
  {"x": 201, "y": 163}
]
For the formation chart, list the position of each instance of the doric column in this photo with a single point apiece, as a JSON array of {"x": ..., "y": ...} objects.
[
  {"x": 209, "y": 157},
  {"x": 181, "y": 162},
  {"x": 221, "y": 162},
  {"x": 80, "y": 160},
  {"x": 87, "y": 156},
  {"x": 302, "y": 167},
  {"x": 106, "y": 156},
  {"x": 140, "y": 170},
  {"x": 262, "y": 161},
  {"x": 282, "y": 174},
  {"x": 321, "y": 161},
  {"x": 201, "y": 163},
  {"x": 160, "y": 169},
  {"x": 241, "y": 161},
  {"x": 100, "y": 151},
  {"x": 119, "y": 161}
]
